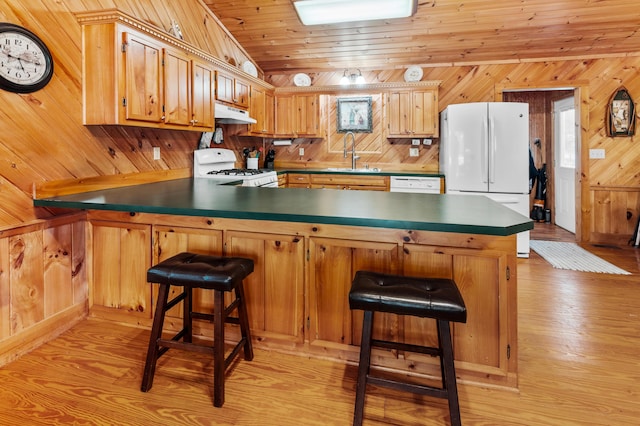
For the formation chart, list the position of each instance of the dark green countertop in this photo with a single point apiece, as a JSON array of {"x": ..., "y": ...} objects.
[{"x": 203, "y": 197}]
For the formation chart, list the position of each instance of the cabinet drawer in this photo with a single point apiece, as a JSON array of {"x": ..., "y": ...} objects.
[
  {"x": 298, "y": 179},
  {"x": 350, "y": 180}
]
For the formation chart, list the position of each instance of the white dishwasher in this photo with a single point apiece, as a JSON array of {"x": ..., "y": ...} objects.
[{"x": 416, "y": 184}]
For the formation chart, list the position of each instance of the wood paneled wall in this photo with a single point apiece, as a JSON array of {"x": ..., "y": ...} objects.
[{"x": 42, "y": 138}]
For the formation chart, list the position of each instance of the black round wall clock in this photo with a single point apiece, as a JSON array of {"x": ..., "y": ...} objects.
[{"x": 26, "y": 64}]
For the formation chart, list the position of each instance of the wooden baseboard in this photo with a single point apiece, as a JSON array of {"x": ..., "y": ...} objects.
[{"x": 19, "y": 344}]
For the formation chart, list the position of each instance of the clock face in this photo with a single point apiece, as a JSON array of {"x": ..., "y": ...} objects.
[{"x": 25, "y": 62}]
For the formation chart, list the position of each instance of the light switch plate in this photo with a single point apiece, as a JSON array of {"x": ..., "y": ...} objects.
[
  {"x": 415, "y": 142},
  {"x": 301, "y": 151},
  {"x": 414, "y": 152},
  {"x": 596, "y": 153},
  {"x": 156, "y": 152}
]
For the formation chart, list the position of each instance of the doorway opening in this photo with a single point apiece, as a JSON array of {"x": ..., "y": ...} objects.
[{"x": 542, "y": 127}]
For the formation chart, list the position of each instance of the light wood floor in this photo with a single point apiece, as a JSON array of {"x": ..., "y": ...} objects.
[{"x": 579, "y": 360}]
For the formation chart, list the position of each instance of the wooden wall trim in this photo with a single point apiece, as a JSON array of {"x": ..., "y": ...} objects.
[
  {"x": 42, "y": 332},
  {"x": 359, "y": 88},
  {"x": 74, "y": 186}
]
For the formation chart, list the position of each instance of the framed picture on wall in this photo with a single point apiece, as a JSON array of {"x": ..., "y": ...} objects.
[
  {"x": 354, "y": 115},
  {"x": 621, "y": 114}
]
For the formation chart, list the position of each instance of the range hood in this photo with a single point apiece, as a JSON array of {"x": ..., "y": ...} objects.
[{"x": 229, "y": 115}]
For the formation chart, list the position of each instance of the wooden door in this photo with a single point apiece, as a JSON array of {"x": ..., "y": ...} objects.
[
  {"x": 284, "y": 116},
  {"x": 269, "y": 113},
  {"x": 334, "y": 263},
  {"x": 425, "y": 113},
  {"x": 241, "y": 93},
  {"x": 177, "y": 88},
  {"x": 143, "y": 78},
  {"x": 257, "y": 111},
  {"x": 398, "y": 114},
  {"x": 225, "y": 86},
  {"x": 483, "y": 280},
  {"x": 306, "y": 115},
  {"x": 121, "y": 257},
  {"x": 202, "y": 95},
  {"x": 275, "y": 289}
]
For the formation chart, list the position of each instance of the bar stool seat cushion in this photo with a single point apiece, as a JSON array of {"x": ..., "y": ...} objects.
[
  {"x": 201, "y": 271},
  {"x": 422, "y": 297}
]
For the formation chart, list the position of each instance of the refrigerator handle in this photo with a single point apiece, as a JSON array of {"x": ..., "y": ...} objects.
[
  {"x": 492, "y": 146},
  {"x": 484, "y": 152}
]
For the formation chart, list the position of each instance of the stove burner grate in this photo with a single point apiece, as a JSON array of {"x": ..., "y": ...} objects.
[{"x": 236, "y": 172}]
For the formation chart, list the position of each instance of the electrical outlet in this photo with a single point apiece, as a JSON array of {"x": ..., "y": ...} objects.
[
  {"x": 414, "y": 152},
  {"x": 427, "y": 141},
  {"x": 301, "y": 151},
  {"x": 156, "y": 152},
  {"x": 415, "y": 142},
  {"x": 596, "y": 153}
]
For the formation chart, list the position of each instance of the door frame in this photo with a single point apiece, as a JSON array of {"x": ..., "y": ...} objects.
[{"x": 581, "y": 97}]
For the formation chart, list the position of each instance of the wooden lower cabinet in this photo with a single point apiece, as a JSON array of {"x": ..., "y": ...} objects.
[
  {"x": 298, "y": 292},
  {"x": 297, "y": 180},
  {"x": 334, "y": 263},
  {"x": 121, "y": 254},
  {"x": 274, "y": 290},
  {"x": 350, "y": 181},
  {"x": 483, "y": 342}
]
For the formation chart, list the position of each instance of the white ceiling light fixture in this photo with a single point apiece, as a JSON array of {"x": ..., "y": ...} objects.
[{"x": 317, "y": 12}]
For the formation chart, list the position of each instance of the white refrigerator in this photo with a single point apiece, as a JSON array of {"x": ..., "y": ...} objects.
[{"x": 484, "y": 150}]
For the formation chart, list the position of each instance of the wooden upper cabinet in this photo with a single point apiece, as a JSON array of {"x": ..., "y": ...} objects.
[
  {"x": 261, "y": 108},
  {"x": 142, "y": 81},
  {"x": 177, "y": 88},
  {"x": 232, "y": 90},
  {"x": 285, "y": 118},
  {"x": 412, "y": 113},
  {"x": 298, "y": 115},
  {"x": 202, "y": 94},
  {"x": 307, "y": 112}
]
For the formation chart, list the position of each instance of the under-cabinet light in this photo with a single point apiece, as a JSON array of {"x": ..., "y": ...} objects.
[{"x": 317, "y": 12}]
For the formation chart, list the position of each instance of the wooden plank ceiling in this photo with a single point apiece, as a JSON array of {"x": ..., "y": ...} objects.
[{"x": 441, "y": 32}]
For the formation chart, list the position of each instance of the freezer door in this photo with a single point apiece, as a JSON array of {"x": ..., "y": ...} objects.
[
  {"x": 508, "y": 147},
  {"x": 464, "y": 148}
]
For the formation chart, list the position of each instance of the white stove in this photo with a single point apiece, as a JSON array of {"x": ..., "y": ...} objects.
[{"x": 220, "y": 164}]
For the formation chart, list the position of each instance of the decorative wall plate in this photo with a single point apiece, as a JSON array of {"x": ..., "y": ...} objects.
[
  {"x": 249, "y": 68},
  {"x": 301, "y": 79},
  {"x": 413, "y": 73}
]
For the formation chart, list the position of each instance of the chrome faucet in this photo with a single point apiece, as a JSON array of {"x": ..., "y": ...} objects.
[{"x": 354, "y": 157}]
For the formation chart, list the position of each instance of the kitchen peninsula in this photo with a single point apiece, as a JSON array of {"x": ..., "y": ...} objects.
[{"x": 307, "y": 245}]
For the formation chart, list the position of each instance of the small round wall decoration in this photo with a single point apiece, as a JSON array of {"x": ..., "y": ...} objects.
[
  {"x": 621, "y": 116},
  {"x": 26, "y": 65}
]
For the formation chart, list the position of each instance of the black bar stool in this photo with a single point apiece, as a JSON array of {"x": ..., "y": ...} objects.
[
  {"x": 421, "y": 297},
  {"x": 217, "y": 273}
]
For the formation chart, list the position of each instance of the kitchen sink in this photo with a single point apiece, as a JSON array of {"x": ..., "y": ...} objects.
[{"x": 350, "y": 170}]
